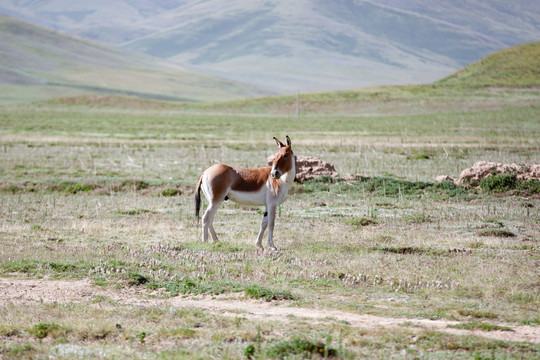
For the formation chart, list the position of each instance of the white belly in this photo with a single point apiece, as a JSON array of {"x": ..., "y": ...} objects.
[{"x": 249, "y": 197}]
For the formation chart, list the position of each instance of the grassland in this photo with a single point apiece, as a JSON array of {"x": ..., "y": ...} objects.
[
  {"x": 97, "y": 203},
  {"x": 509, "y": 67}
]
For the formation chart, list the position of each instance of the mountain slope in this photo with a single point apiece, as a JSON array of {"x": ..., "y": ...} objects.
[
  {"x": 514, "y": 71},
  {"x": 326, "y": 47},
  {"x": 101, "y": 20},
  {"x": 508, "y": 22},
  {"x": 517, "y": 66},
  {"x": 42, "y": 63},
  {"x": 306, "y": 45}
]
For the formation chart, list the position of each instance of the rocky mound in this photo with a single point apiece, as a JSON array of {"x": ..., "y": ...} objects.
[
  {"x": 309, "y": 167},
  {"x": 484, "y": 169}
]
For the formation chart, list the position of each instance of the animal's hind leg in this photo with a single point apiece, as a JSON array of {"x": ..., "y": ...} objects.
[
  {"x": 205, "y": 225},
  {"x": 208, "y": 221},
  {"x": 264, "y": 224},
  {"x": 212, "y": 231}
]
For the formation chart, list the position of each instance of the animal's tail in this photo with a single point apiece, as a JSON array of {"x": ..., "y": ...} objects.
[{"x": 198, "y": 197}]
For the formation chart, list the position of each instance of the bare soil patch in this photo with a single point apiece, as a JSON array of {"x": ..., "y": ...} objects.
[{"x": 82, "y": 291}]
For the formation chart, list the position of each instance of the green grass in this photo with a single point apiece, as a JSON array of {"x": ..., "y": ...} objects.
[
  {"x": 479, "y": 314},
  {"x": 499, "y": 183},
  {"x": 497, "y": 232},
  {"x": 301, "y": 347},
  {"x": 388, "y": 187},
  {"x": 20, "y": 351},
  {"x": 95, "y": 185},
  {"x": 268, "y": 294},
  {"x": 516, "y": 66},
  {"x": 197, "y": 287},
  {"x": 358, "y": 222},
  {"x": 43, "y": 330},
  {"x": 101, "y": 189},
  {"x": 481, "y": 327}
]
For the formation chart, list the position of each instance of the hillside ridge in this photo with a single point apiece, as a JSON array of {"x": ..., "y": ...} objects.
[
  {"x": 516, "y": 66},
  {"x": 40, "y": 63},
  {"x": 305, "y": 45}
]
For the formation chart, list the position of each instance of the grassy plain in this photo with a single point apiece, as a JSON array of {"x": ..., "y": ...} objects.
[{"x": 100, "y": 188}]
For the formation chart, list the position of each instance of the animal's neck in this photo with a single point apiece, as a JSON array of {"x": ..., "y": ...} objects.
[{"x": 289, "y": 176}]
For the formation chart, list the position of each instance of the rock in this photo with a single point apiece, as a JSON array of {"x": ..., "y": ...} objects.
[
  {"x": 483, "y": 169},
  {"x": 532, "y": 174},
  {"x": 354, "y": 177},
  {"x": 309, "y": 167},
  {"x": 444, "y": 178}
]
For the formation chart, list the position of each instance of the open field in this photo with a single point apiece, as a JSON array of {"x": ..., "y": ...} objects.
[{"x": 101, "y": 256}]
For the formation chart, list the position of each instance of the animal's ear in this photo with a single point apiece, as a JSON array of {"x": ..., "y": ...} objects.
[
  {"x": 278, "y": 143},
  {"x": 288, "y": 141}
]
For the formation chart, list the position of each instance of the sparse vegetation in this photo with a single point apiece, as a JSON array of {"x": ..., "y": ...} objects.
[
  {"x": 497, "y": 232},
  {"x": 104, "y": 194},
  {"x": 135, "y": 279},
  {"x": 300, "y": 346},
  {"x": 260, "y": 292},
  {"x": 481, "y": 326},
  {"x": 358, "y": 222},
  {"x": 43, "y": 330}
]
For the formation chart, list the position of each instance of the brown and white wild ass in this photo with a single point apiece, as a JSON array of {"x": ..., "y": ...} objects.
[{"x": 266, "y": 186}]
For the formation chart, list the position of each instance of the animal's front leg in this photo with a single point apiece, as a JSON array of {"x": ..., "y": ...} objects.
[
  {"x": 264, "y": 225},
  {"x": 271, "y": 221}
]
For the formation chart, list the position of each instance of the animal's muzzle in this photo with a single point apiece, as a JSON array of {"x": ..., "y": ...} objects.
[{"x": 275, "y": 173}]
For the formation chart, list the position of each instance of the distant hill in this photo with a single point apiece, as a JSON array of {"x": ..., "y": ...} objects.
[
  {"x": 515, "y": 72},
  {"x": 305, "y": 45},
  {"x": 517, "y": 66},
  {"x": 38, "y": 63}
]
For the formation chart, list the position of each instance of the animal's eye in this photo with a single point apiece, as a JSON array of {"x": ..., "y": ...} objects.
[{"x": 284, "y": 156}]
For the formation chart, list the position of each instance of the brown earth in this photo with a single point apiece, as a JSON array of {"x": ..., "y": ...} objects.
[
  {"x": 82, "y": 291},
  {"x": 484, "y": 169},
  {"x": 309, "y": 168}
]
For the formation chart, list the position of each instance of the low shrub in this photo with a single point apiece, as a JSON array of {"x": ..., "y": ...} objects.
[
  {"x": 302, "y": 346},
  {"x": 497, "y": 232},
  {"x": 360, "y": 222},
  {"x": 42, "y": 330},
  {"x": 499, "y": 183},
  {"x": 529, "y": 187},
  {"x": 260, "y": 292},
  {"x": 136, "y": 279},
  {"x": 171, "y": 192},
  {"x": 190, "y": 286}
]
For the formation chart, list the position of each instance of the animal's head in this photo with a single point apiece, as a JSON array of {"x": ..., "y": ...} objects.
[{"x": 284, "y": 159}]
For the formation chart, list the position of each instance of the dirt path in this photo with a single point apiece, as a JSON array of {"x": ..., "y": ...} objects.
[{"x": 82, "y": 291}]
